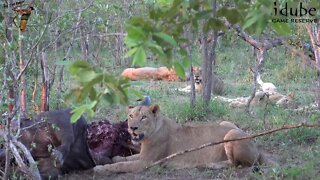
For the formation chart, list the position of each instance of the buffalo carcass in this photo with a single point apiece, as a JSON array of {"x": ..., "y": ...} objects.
[{"x": 60, "y": 146}]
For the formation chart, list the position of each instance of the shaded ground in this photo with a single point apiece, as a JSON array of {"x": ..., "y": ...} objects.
[
  {"x": 159, "y": 173},
  {"x": 183, "y": 174}
]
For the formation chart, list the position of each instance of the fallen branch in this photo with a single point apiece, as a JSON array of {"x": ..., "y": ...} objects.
[
  {"x": 238, "y": 139},
  {"x": 32, "y": 164}
]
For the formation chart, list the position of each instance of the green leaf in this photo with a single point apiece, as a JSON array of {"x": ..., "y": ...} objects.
[
  {"x": 194, "y": 23},
  {"x": 166, "y": 38},
  {"x": 135, "y": 92},
  {"x": 186, "y": 62},
  {"x": 92, "y": 94},
  {"x": 81, "y": 64},
  {"x": 131, "y": 42},
  {"x": 139, "y": 57},
  {"x": 86, "y": 76},
  {"x": 92, "y": 104},
  {"x": 108, "y": 98},
  {"x": 215, "y": 24},
  {"x": 233, "y": 16},
  {"x": 281, "y": 28},
  {"x": 77, "y": 113},
  {"x": 90, "y": 112},
  {"x": 179, "y": 70},
  {"x": 251, "y": 19},
  {"x": 135, "y": 32},
  {"x": 131, "y": 52},
  {"x": 203, "y": 14},
  {"x": 156, "y": 48},
  {"x": 260, "y": 26}
]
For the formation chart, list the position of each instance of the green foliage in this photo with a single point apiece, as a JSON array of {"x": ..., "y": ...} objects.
[
  {"x": 183, "y": 112},
  {"x": 281, "y": 28},
  {"x": 77, "y": 112},
  {"x": 161, "y": 31},
  {"x": 305, "y": 171},
  {"x": 298, "y": 136},
  {"x": 139, "y": 57},
  {"x": 93, "y": 87},
  {"x": 293, "y": 71},
  {"x": 179, "y": 70}
]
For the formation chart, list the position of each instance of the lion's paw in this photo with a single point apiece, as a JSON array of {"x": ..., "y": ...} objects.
[
  {"x": 118, "y": 159},
  {"x": 99, "y": 168}
]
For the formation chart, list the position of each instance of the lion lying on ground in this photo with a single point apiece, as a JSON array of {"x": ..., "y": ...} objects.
[
  {"x": 147, "y": 73},
  {"x": 260, "y": 99},
  {"x": 282, "y": 100},
  {"x": 161, "y": 137},
  {"x": 217, "y": 82}
]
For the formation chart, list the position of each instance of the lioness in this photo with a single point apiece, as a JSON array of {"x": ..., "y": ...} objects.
[
  {"x": 150, "y": 73},
  {"x": 282, "y": 100},
  {"x": 260, "y": 98},
  {"x": 217, "y": 82},
  {"x": 161, "y": 137}
]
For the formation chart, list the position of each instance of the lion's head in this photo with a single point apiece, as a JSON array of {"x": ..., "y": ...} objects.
[
  {"x": 142, "y": 121},
  {"x": 287, "y": 101},
  {"x": 197, "y": 73}
]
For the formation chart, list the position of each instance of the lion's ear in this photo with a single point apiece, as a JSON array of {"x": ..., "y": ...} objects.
[
  {"x": 194, "y": 69},
  {"x": 154, "y": 108},
  {"x": 129, "y": 108},
  {"x": 291, "y": 94}
]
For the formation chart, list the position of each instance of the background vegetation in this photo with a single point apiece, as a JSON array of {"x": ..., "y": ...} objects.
[{"x": 94, "y": 33}]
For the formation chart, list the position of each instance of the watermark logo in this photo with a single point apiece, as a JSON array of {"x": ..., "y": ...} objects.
[{"x": 294, "y": 13}]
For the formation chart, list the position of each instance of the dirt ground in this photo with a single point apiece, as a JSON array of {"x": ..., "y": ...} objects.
[{"x": 161, "y": 173}]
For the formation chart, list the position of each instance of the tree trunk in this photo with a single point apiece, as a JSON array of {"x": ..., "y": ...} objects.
[
  {"x": 23, "y": 77},
  {"x": 193, "y": 89},
  {"x": 260, "y": 57},
  {"x": 11, "y": 93},
  {"x": 8, "y": 155},
  {"x": 83, "y": 43},
  {"x": 9, "y": 37},
  {"x": 45, "y": 83},
  {"x": 35, "y": 87},
  {"x": 314, "y": 34},
  {"x": 189, "y": 35},
  {"x": 54, "y": 56},
  {"x": 119, "y": 47},
  {"x": 208, "y": 59}
]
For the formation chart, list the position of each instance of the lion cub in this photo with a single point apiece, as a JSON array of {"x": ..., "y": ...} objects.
[{"x": 161, "y": 137}]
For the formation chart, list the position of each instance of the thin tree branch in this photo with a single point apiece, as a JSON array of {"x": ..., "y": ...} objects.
[
  {"x": 30, "y": 59},
  {"x": 33, "y": 166}
]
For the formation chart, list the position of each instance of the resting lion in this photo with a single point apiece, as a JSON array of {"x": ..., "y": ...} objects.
[
  {"x": 217, "y": 82},
  {"x": 161, "y": 137},
  {"x": 150, "y": 73}
]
